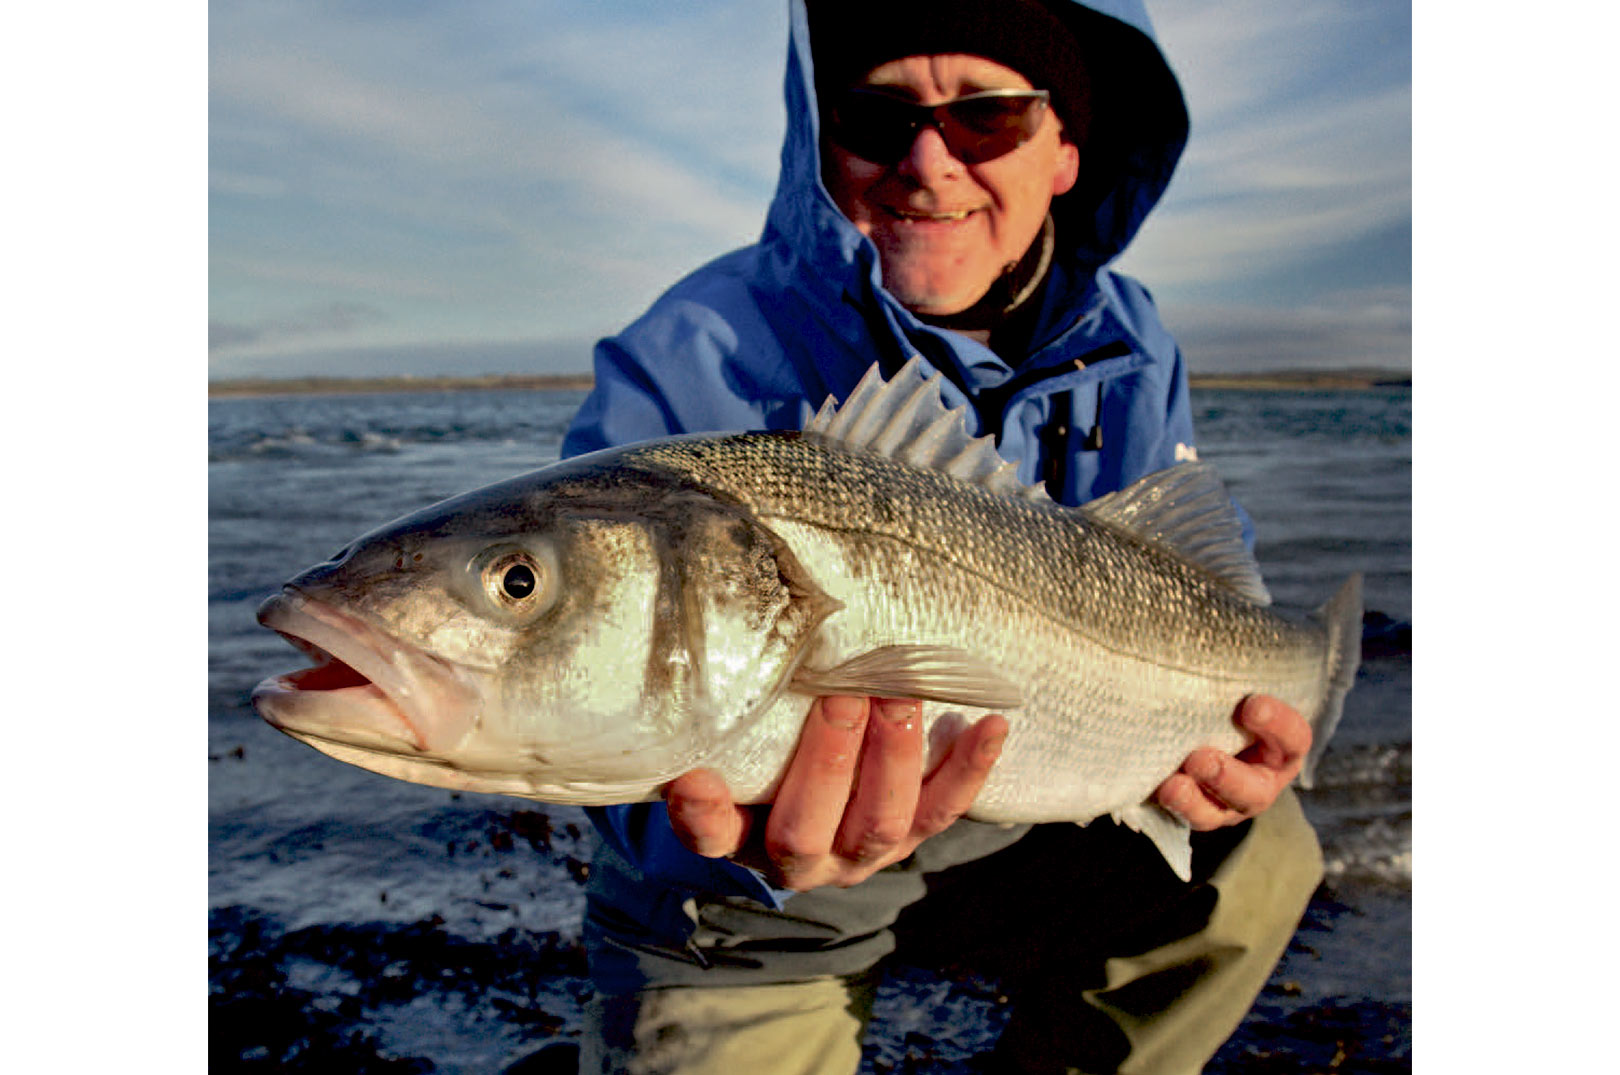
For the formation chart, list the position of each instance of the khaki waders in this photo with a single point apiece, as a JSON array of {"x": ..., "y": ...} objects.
[{"x": 1111, "y": 963}]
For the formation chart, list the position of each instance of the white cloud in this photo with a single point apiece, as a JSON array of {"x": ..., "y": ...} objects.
[
  {"x": 1240, "y": 56},
  {"x": 544, "y": 167},
  {"x": 328, "y": 320},
  {"x": 243, "y": 185},
  {"x": 542, "y": 111},
  {"x": 1362, "y": 139},
  {"x": 1301, "y": 138},
  {"x": 364, "y": 278},
  {"x": 1361, "y": 329}
]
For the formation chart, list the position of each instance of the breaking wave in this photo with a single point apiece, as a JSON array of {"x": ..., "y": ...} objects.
[
  {"x": 1362, "y": 809},
  {"x": 291, "y": 428}
]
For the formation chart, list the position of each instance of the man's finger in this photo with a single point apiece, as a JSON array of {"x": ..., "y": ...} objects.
[
  {"x": 1213, "y": 789},
  {"x": 879, "y": 813},
  {"x": 810, "y": 804},
  {"x": 1282, "y": 738},
  {"x": 1231, "y": 783},
  {"x": 951, "y": 788},
  {"x": 1181, "y": 795},
  {"x": 703, "y": 816}
]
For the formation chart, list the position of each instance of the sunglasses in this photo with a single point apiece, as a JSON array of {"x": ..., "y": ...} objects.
[{"x": 977, "y": 127}]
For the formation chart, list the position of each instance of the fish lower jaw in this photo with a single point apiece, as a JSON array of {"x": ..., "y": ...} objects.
[{"x": 359, "y": 715}]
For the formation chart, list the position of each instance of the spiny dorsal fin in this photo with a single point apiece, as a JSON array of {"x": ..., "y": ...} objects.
[
  {"x": 1187, "y": 509},
  {"x": 906, "y": 419}
]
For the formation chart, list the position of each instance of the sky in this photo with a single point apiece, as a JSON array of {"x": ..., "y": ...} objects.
[{"x": 403, "y": 186}]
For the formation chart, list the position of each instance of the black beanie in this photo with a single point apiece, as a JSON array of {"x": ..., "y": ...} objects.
[{"x": 848, "y": 38}]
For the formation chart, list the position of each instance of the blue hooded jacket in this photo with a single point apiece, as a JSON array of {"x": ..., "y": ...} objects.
[{"x": 760, "y": 336}]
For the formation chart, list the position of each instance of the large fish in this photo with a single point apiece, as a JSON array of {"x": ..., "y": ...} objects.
[{"x": 589, "y": 631}]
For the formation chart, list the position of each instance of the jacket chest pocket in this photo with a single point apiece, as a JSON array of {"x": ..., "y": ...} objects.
[{"x": 1071, "y": 442}]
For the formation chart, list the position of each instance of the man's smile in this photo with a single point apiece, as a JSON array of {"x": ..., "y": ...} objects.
[{"x": 916, "y": 215}]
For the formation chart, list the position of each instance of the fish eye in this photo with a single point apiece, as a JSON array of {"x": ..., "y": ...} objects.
[
  {"x": 518, "y": 582},
  {"x": 515, "y": 580}
]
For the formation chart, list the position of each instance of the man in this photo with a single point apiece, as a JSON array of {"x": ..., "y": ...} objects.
[{"x": 956, "y": 176}]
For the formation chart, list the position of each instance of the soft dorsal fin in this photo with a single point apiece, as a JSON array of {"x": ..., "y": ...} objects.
[
  {"x": 906, "y": 419},
  {"x": 1187, "y": 509}
]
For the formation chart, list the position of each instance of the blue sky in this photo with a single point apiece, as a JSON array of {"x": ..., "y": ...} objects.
[{"x": 488, "y": 186}]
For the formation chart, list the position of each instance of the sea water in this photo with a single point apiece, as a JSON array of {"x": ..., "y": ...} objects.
[{"x": 363, "y": 923}]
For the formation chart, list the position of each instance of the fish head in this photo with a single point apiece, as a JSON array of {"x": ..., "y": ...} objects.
[{"x": 580, "y": 635}]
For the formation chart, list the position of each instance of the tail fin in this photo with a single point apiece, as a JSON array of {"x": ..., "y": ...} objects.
[{"x": 1341, "y": 618}]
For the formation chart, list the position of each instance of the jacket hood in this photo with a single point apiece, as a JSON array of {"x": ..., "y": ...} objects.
[{"x": 1138, "y": 130}]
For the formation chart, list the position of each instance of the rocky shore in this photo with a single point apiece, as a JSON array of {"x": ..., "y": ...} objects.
[{"x": 323, "y": 998}]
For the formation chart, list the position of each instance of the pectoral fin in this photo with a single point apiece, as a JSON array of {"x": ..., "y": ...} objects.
[
  {"x": 931, "y": 673},
  {"x": 1169, "y": 833}
]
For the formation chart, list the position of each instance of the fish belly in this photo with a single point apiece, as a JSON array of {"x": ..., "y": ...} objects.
[{"x": 1102, "y": 724}]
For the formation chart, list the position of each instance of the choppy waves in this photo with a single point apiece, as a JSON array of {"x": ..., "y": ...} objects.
[
  {"x": 314, "y": 427},
  {"x": 1362, "y": 809},
  {"x": 296, "y": 441}
]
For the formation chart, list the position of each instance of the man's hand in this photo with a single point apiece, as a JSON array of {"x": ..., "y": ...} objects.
[
  {"x": 1214, "y": 789},
  {"x": 854, "y": 798}
]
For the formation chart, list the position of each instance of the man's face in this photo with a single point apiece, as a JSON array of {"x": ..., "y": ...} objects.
[{"x": 945, "y": 230}]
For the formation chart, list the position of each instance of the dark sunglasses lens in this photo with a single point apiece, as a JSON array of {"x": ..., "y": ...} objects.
[
  {"x": 882, "y": 129},
  {"x": 979, "y": 129},
  {"x": 993, "y": 115},
  {"x": 874, "y": 127}
]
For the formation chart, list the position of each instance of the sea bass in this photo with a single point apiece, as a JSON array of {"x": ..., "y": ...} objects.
[{"x": 589, "y": 631}]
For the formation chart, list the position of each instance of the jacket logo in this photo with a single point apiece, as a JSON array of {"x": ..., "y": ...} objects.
[{"x": 1186, "y": 453}]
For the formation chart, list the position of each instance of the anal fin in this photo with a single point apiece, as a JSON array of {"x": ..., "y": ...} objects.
[{"x": 1169, "y": 833}]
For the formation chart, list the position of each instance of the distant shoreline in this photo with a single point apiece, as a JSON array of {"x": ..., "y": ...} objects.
[
  {"x": 323, "y": 386},
  {"x": 1304, "y": 380},
  {"x": 1280, "y": 380}
]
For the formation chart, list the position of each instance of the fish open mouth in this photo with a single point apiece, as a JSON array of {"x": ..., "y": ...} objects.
[
  {"x": 364, "y": 687},
  {"x": 328, "y": 674}
]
